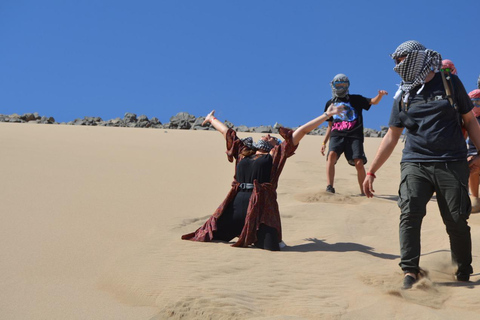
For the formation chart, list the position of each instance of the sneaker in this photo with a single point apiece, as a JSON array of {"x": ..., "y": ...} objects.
[
  {"x": 330, "y": 189},
  {"x": 462, "y": 277},
  {"x": 408, "y": 282}
]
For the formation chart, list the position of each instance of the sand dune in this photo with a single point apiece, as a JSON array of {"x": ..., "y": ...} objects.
[{"x": 91, "y": 219}]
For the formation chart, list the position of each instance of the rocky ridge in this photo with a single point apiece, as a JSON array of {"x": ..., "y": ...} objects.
[{"x": 181, "y": 120}]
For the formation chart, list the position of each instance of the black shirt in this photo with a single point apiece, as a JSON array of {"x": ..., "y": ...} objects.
[
  {"x": 439, "y": 136},
  {"x": 255, "y": 167},
  {"x": 350, "y": 124}
]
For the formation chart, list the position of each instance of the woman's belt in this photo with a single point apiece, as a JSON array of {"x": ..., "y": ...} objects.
[{"x": 246, "y": 186}]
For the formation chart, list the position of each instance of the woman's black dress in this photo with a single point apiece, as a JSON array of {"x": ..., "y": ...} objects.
[{"x": 230, "y": 224}]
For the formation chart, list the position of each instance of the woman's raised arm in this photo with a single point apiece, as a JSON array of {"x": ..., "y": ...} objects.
[
  {"x": 312, "y": 124},
  {"x": 217, "y": 124}
]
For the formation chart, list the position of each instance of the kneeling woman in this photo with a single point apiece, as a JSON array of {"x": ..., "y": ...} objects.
[{"x": 250, "y": 210}]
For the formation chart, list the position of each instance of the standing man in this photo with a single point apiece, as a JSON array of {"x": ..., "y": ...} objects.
[
  {"x": 345, "y": 131},
  {"x": 434, "y": 157}
]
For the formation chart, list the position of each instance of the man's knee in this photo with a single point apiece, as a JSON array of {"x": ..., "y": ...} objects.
[
  {"x": 332, "y": 157},
  {"x": 358, "y": 163}
]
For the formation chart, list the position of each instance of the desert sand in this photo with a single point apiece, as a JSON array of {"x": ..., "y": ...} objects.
[{"x": 91, "y": 220}]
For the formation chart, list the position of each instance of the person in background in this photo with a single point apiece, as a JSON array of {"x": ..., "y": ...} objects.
[
  {"x": 448, "y": 66},
  {"x": 250, "y": 210},
  {"x": 434, "y": 156},
  {"x": 473, "y": 180},
  {"x": 345, "y": 132}
]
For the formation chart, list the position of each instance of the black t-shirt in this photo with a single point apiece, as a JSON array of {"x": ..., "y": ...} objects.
[
  {"x": 351, "y": 123},
  {"x": 439, "y": 136},
  {"x": 255, "y": 167}
]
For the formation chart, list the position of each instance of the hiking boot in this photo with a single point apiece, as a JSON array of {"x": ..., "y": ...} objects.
[
  {"x": 408, "y": 282},
  {"x": 330, "y": 189}
]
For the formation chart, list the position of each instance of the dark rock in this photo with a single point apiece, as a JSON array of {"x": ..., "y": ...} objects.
[
  {"x": 263, "y": 129},
  {"x": 142, "y": 118},
  {"x": 155, "y": 121},
  {"x": 182, "y": 120},
  {"x": 130, "y": 117},
  {"x": 242, "y": 129},
  {"x": 14, "y": 120},
  {"x": 197, "y": 124},
  {"x": 28, "y": 117}
]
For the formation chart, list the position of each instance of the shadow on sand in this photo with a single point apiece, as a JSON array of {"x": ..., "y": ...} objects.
[{"x": 320, "y": 245}]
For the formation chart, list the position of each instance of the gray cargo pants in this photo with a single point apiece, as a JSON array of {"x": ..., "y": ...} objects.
[{"x": 449, "y": 180}]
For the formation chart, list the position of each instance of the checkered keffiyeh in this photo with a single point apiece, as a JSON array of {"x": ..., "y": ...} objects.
[
  {"x": 248, "y": 142},
  {"x": 260, "y": 144},
  {"x": 478, "y": 82},
  {"x": 417, "y": 64},
  {"x": 263, "y": 145}
]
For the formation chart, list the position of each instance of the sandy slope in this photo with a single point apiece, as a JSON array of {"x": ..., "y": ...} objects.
[{"x": 91, "y": 219}]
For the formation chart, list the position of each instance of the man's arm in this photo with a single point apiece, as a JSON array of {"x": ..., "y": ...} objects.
[
  {"x": 327, "y": 137},
  {"x": 384, "y": 151},
  {"x": 378, "y": 97}
]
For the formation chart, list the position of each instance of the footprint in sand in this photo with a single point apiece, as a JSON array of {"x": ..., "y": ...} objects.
[
  {"x": 425, "y": 292},
  {"x": 187, "y": 222},
  {"x": 323, "y": 196}
]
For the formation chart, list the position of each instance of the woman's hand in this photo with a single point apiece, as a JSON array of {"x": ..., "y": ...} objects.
[
  {"x": 332, "y": 109},
  {"x": 209, "y": 118}
]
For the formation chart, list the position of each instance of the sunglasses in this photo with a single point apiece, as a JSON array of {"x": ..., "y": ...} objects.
[
  {"x": 340, "y": 84},
  {"x": 446, "y": 70},
  {"x": 476, "y": 102}
]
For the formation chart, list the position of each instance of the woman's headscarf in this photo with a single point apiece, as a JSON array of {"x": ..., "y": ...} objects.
[
  {"x": 341, "y": 92},
  {"x": 449, "y": 64},
  {"x": 260, "y": 144},
  {"x": 418, "y": 63}
]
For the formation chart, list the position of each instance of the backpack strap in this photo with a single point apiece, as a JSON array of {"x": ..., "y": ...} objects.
[{"x": 449, "y": 89}]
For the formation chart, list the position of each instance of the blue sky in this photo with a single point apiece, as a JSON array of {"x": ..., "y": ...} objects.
[{"x": 255, "y": 62}]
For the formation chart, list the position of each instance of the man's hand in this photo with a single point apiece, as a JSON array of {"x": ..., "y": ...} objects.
[
  {"x": 368, "y": 186},
  {"x": 323, "y": 149},
  {"x": 474, "y": 164}
]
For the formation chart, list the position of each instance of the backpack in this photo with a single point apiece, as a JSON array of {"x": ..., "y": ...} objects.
[{"x": 447, "y": 80}]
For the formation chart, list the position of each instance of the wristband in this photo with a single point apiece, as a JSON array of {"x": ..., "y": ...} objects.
[
  {"x": 326, "y": 114},
  {"x": 213, "y": 118},
  {"x": 371, "y": 174}
]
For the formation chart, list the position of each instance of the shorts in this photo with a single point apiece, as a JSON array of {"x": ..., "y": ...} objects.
[{"x": 352, "y": 147}]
